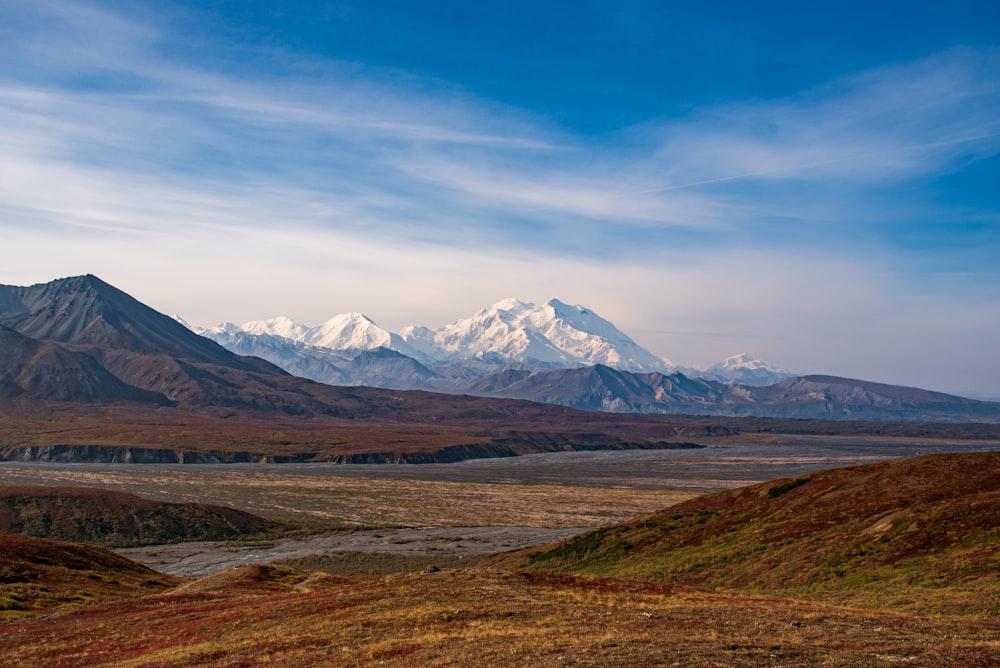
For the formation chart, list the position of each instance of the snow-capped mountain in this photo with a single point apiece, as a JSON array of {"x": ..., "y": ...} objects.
[
  {"x": 347, "y": 331},
  {"x": 745, "y": 370},
  {"x": 550, "y": 335},
  {"x": 354, "y": 331},
  {"x": 295, "y": 357},
  {"x": 280, "y": 326},
  {"x": 510, "y": 334}
]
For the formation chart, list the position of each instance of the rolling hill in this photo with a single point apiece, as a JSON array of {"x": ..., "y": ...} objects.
[
  {"x": 922, "y": 532},
  {"x": 38, "y": 575},
  {"x": 117, "y": 519}
]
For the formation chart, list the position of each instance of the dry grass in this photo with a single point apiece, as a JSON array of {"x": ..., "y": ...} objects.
[
  {"x": 408, "y": 425},
  {"x": 40, "y": 576},
  {"x": 376, "y": 563},
  {"x": 918, "y": 534},
  {"x": 277, "y": 615},
  {"x": 266, "y": 616},
  {"x": 411, "y": 424}
]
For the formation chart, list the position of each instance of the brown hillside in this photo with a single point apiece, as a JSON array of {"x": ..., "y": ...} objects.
[
  {"x": 119, "y": 519},
  {"x": 924, "y": 530},
  {"x": 39, "y": 575}
]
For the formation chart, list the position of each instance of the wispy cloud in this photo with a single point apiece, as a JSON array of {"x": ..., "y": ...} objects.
[
  {"x": 406, "y": 159},
  {"x": 886, "y": 124}
]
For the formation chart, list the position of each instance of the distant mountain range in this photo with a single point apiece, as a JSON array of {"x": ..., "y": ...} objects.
[
  {"x": 569, "y": 355},
  {"x": 510, "y": 335},
  {"x": 80, "y": 340}
]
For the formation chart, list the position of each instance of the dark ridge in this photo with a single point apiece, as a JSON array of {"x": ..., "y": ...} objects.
[
  {"x": 119, "y": 519},
  {"x": 86, "y": 311},
  {"x": 600, "y": 388}
]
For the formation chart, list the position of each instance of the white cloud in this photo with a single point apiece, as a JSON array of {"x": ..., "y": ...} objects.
[{"x": 883, "y": 125}]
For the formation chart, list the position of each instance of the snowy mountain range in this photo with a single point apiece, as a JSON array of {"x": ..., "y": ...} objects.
[{"x": 351, "y": 349}]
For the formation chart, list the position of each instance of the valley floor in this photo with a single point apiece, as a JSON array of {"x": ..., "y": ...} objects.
[{"x": 433, "y": 547}]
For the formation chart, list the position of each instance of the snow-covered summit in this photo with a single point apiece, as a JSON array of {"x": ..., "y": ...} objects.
[
  {"x": 349, "y": 331},
  {"x": 280, "y": 326},
  {"x": 223, "y": 329},
  {"x": 510, "y": 332},
  {"x": 741, "y": 361},
  {"x": 746, "y": 370},
  {"x": 552, "y": 334}
]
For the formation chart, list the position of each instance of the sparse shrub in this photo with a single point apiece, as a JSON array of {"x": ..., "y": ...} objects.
[
  {"x": 10, "y": 601},
  {"x": 778, "y": 490},
  {"x": 574, "y": 549},
  {"x": 10, "y": 576}
]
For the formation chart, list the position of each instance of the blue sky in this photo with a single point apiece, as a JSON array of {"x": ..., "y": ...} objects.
[{"x": 817, "y": 186}]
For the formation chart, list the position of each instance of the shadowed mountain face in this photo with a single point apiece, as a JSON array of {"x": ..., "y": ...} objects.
[
  {"x": 86, "y": 311},
  {"x": 811, "y": 397},
  {"x": 81, "y": 340},
  {"x": 601, "y": 388},
  {"x": 50, "y": 372},
  {"x": 830, "y": 396}
]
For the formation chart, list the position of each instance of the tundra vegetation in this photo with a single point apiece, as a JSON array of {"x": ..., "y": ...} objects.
[{"x": 881, "y": 564}]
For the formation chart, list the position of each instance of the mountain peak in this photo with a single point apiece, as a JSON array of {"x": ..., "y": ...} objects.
[
  {"x": 740, "y": 361},
  {"x": 85, "y": 311},
  {"x": 509, "y": 304},
  {"x": 351, "y": 317},
  {"x": 562, "y": 307},
  {"x": 745, "y": 369},
  {"x": 552, "y": 334},
  {"x": 349, "y": 331},
  {"x": 510, "y": 331},
  {"x": 279, "y": 326}
]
